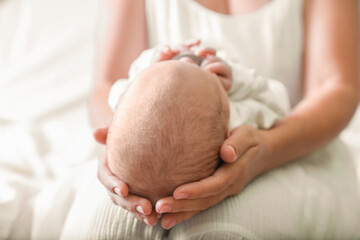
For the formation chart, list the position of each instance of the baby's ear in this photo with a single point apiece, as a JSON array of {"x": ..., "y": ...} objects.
[{"x": 100, "y": 135}]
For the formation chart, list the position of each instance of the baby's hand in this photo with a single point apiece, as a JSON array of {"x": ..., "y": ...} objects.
[
  {"x": 217, "y": 66},
  {"x": 211, "y": 63},
  {"x": 169, "y": 53}
]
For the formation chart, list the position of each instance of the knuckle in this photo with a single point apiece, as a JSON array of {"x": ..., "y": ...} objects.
[
  {"x": 117, "y": 201},
  {"x": 256, "y": 149},
  {"x": 121, "y": 204},
  {"x": 247, "y": 131},
  {"x": 246, "y": 128}
]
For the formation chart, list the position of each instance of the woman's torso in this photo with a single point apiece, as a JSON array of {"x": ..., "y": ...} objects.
[{"x": 269, "y": 39}]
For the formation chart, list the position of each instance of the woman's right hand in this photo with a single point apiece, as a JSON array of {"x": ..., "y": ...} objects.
[{"x": 118, "y": 191}]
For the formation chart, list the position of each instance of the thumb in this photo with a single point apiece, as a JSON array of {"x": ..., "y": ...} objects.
[
  {"x": 239, "y": 141},
  {"x": 100, "y": 135}
]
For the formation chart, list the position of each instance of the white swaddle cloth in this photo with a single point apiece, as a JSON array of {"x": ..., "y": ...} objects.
[{"x": 253, "y": 99}]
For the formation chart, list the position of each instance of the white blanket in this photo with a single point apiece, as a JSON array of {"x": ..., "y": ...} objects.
[
  {"x": 46, "y": 62},
  {"x": 253, "y": 100},
  {"x": 46, "y": 70}
]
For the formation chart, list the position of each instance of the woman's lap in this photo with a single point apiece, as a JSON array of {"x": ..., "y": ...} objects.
[
  {"x": 94, "y": 216},
  {"x": 305, "y": 199},
  {"x": 316, "y": 197}
]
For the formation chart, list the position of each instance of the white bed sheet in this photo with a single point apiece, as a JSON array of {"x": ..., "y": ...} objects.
[{"x": 46, "y": 70}]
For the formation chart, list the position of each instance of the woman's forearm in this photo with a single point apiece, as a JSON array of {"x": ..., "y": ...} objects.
[
  {"x": 331, "y": 84},
  {"x": 99, "y": 111},
  {"x": 312, "y": 124},
  {"x": 121, "y": 37}
]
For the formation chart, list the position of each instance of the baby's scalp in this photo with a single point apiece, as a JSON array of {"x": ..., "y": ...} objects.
[{"x": 167, "y": 130}]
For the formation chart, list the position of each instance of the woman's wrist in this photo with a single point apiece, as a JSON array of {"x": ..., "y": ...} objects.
[{"x": 260, "y": 163}]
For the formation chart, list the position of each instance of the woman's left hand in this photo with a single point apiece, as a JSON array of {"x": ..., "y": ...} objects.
[{"x": 241, "y": 153}]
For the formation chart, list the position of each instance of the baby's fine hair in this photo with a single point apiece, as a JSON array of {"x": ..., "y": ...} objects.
[{"x": 172, "y": 140}]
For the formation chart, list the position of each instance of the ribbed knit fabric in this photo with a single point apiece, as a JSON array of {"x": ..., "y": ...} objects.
[
  {"x": 313, "y": 198},
  {"x": 94, "y": 216}
]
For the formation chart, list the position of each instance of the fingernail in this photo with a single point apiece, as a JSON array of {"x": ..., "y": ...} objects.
[
  {"x": 165, "y": 209},
  {"x": 117, "y": 191},
  {"x": 140, "y": 209},
  {"x": 232, "y": 149},
  {"x": 182, "y": 196},
  {"x": 146, "y": 221},
  {"x": 170, "y": 225}
]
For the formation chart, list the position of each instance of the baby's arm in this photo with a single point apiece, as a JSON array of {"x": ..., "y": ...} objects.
[{"x": 256, "y": 100}]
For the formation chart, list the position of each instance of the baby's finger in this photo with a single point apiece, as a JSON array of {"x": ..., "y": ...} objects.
[
  {"x": 204, "y": 51},
  {"x": 192, "y": 42},
  {"x": 218, "y": 68},
  {"x": 186, "y": 46},
  {"x": 210, "y": 186},
  {"x": 226, "y": 82},
  {"x": 167, "y": 54},
  {"x": 171, "y": 219}
]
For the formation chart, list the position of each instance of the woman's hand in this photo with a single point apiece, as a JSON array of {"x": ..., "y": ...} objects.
[
  {"x": 241, "y": 153},
  {"x": 118, "y": 191}
]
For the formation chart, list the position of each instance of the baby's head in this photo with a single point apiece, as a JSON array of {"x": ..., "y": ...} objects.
[{"x": 167, "y": 129}]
